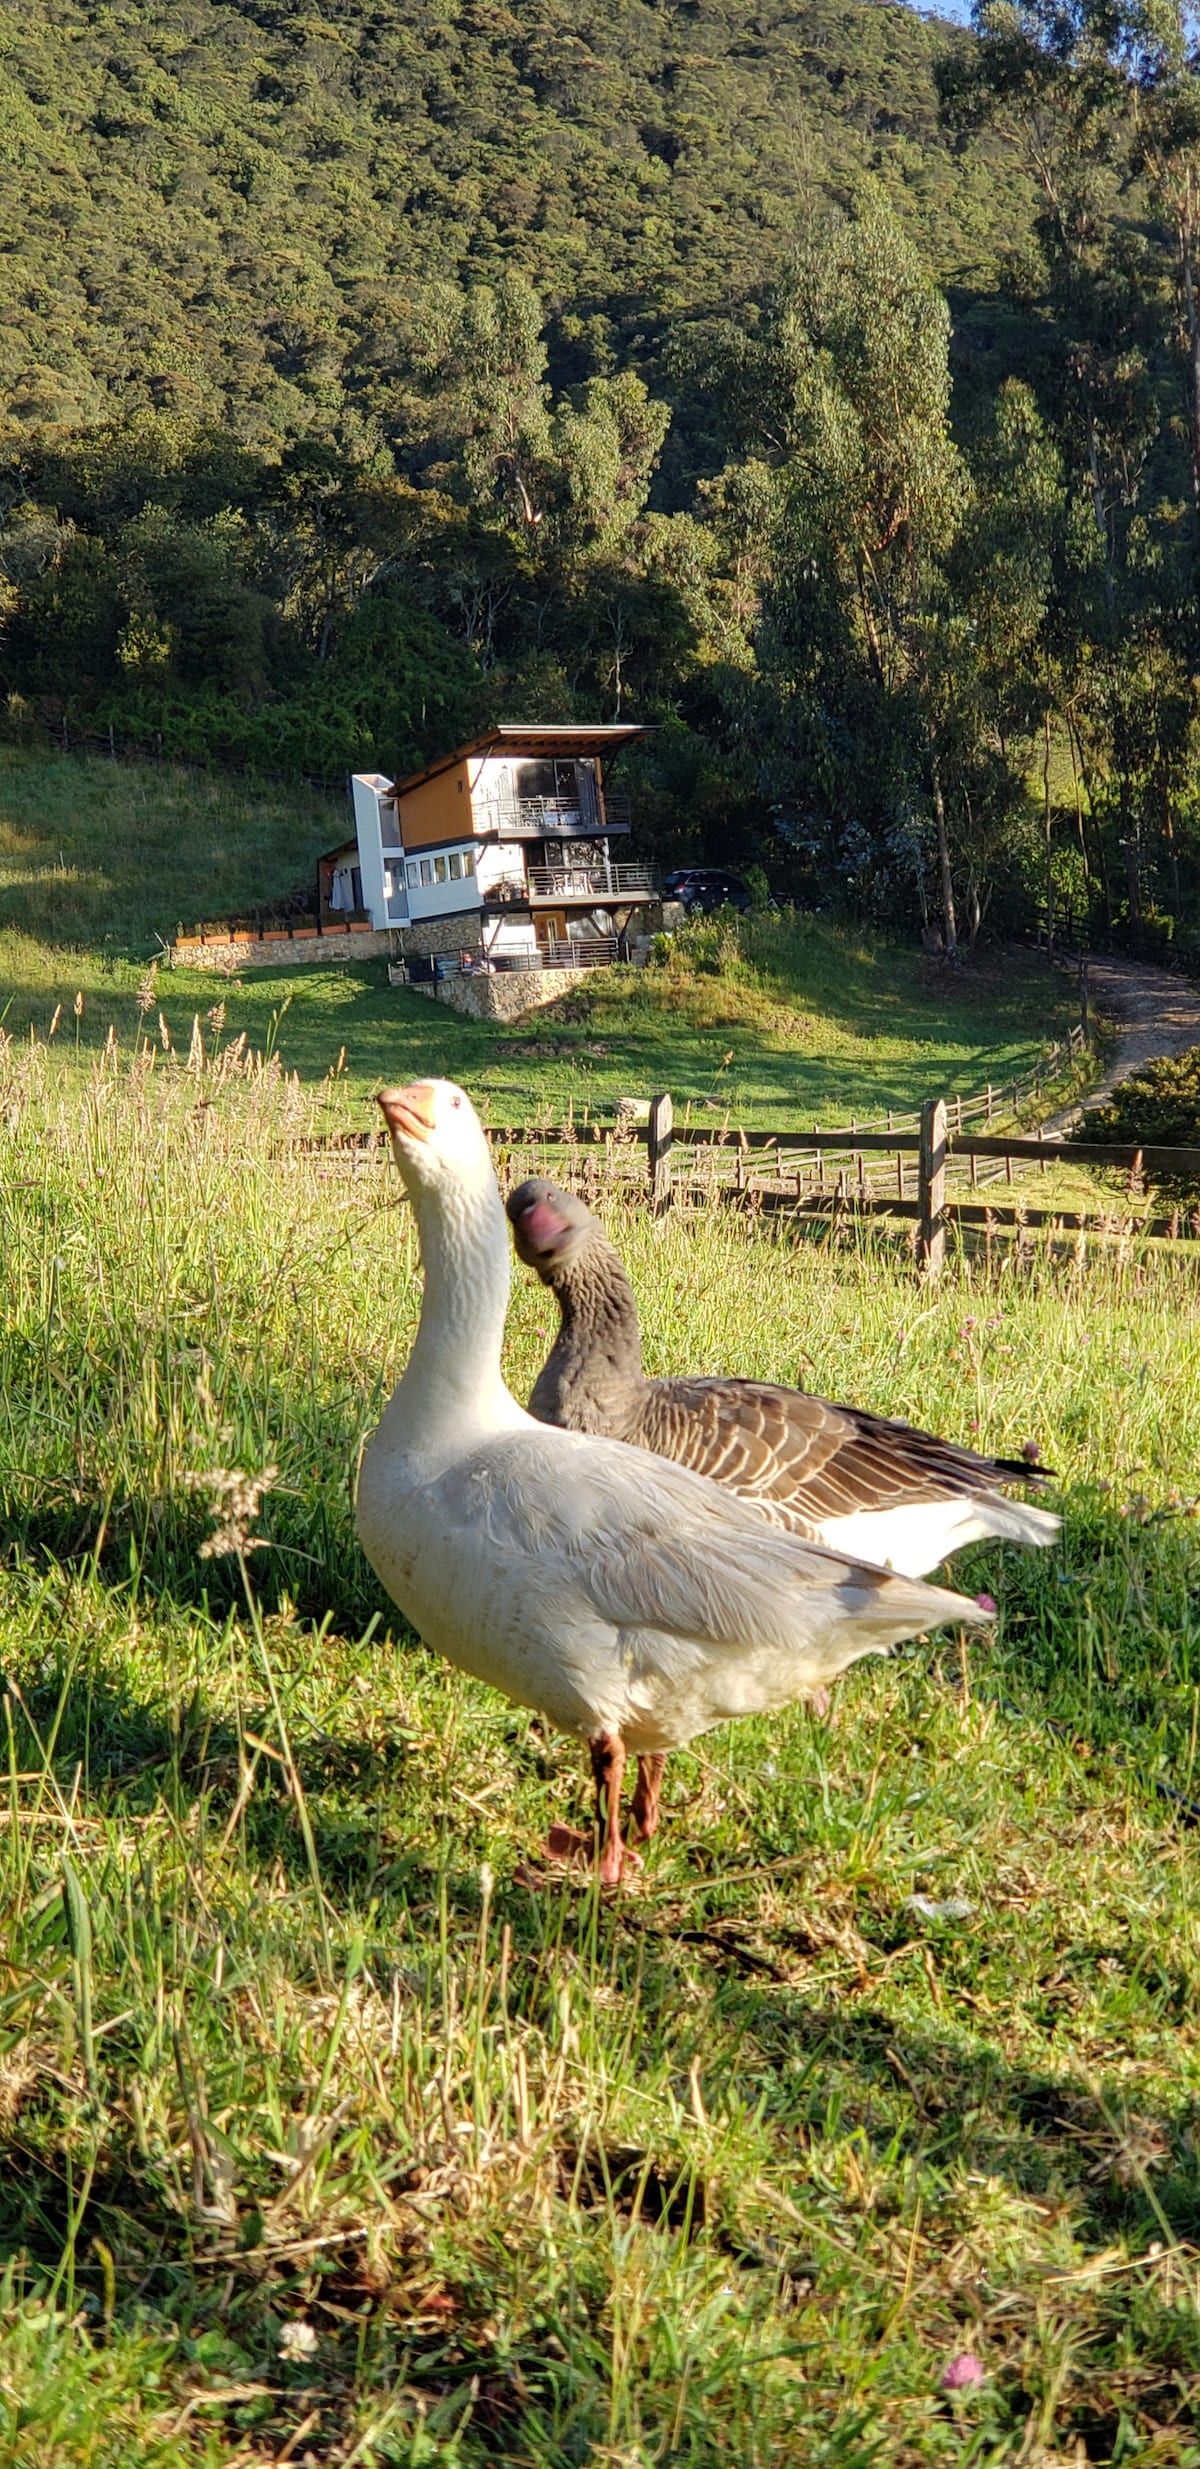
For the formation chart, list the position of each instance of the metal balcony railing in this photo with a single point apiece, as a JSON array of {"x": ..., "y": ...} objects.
[
  {"x": 598, "y": 952},
  {"x": 531, "y": 818},
  {"x": 589, "y": 882}
]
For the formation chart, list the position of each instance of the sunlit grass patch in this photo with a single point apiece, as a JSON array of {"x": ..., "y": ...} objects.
[{"x": 319, "y": 2127}]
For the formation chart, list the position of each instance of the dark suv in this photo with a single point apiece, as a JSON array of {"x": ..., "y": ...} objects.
[{"x": 704, "y": 888}]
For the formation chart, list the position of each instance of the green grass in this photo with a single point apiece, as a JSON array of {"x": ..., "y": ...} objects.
[
  {"x": 725, "y": 2170},
  {"x": 98, "y": 861},
  {"x": 112, "y": 857}
]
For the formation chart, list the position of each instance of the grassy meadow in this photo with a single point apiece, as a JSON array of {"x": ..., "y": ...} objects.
[
  {"x": 100, "y": 861},
  {"x": 328, "y": 2139}
]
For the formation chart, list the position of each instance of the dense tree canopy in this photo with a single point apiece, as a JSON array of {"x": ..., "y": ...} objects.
[{"x": 819, "y": 381}]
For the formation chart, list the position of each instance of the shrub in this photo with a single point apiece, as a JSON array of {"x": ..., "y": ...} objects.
[{"x": 1159, "y": 1107}]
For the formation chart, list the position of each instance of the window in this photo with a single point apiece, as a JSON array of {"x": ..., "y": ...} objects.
[
  {"x": 468, "y": 862},
  {"x": 426, "y": 871},
  {"x": 554, "y": 777},
  {"x": 455, "y": 863},
  {"x": 439, "y": 870},
  {"x": 389, "y": 826},
  {"x": 413, "y": 871}
]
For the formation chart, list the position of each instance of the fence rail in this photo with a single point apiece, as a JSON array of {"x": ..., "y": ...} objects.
[
  {"x": 919, "y": 1198},
  {"x": 808, "y": 1173}
]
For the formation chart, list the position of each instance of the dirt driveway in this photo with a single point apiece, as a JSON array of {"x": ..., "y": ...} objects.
[{"x": 1158, "y": 1013}]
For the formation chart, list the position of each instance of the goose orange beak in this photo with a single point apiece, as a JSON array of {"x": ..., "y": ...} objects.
[{"x": 409, "y": 1112}]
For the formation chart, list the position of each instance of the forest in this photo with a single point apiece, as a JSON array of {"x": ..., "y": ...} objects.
[{"x": 818, "y": 382}]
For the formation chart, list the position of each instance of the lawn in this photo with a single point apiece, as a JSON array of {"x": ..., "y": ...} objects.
[
  {"x": 327, "y": 2139},
  {"x": 98, "y": 861}
]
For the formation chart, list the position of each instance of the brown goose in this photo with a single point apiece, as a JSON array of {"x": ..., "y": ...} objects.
[{"x": 851, "y": 1480}]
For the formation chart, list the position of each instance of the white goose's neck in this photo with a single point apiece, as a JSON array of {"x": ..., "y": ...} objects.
[{"x": 452, "y": 1385}]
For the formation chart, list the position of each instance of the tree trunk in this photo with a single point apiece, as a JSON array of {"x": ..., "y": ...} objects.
[
  {"x": 1110, "y": 594},
  {"x": 1130, "y": 843},
  {"x": 1187, "y": 293},
  {"x": 1172, "y": 847},
  {"x": 1095, "y": 867},
  {"x": 949, "y": 929},
  {"x": 1047, "y": 826}
]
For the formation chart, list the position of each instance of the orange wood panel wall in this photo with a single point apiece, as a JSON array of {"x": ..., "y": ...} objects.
[{"x": 439, "y": 811}]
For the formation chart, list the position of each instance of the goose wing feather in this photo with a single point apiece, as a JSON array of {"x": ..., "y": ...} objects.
[
  {"x": 801, "y": 1460},
  {"x": 618, "y": 1592},
  {"x": 646, "y": 1545}
]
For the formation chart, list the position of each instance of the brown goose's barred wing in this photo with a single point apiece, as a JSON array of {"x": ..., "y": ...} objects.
[{"x": 801, "y": 1460}]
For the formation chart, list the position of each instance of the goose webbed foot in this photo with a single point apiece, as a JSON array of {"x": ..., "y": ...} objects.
[
  {"x": 565, "y": 1845},
  {"x": 608, "y": 1769},
  {"x": 647, "y": 1795}
]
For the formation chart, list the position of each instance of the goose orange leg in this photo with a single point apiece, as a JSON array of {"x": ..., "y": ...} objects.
[
  {"x": 647, "y": 1794},
  {"x": 608, "y": 1767}
]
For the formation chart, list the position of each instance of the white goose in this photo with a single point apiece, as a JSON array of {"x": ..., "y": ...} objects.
[{"x": 634, "y": 1603}]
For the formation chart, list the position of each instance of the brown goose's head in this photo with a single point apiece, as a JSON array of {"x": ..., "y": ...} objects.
[{"x": 550, "y": 1227}]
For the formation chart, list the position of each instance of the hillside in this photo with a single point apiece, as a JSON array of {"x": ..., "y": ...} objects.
[
  {"x": 235, "y": 210},
  {"x": 366, "y": 376},
  {"x": 98, "y": 861}
]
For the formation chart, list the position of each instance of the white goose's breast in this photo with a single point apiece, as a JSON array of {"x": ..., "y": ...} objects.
[{"x": 487, "y": 1611}]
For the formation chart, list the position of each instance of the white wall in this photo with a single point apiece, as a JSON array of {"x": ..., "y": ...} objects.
[
  {"x": 375, "y": 862},
  {"x": 509, "y": 934},
  {"x": 503, "y": 864},
  {"x": 454, "y": 892},
  {"x": 494, "y": 781}
]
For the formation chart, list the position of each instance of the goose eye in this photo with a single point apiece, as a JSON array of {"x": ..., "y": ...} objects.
[{"x": 456, "y": 1101}]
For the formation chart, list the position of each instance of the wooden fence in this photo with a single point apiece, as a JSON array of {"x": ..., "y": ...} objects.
[
  {"x": 934, "y": 1171},
  {"x": 835, "y": 1174}
]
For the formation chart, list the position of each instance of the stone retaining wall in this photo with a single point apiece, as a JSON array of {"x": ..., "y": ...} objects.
[
  {"x": 279, "y": 951},
  {"x": 510, "y": 993},
  {"x": 441, "y": 934}
]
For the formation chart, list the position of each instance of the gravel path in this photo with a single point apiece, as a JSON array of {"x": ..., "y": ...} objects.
[{"x": 1159, "y": 1014}]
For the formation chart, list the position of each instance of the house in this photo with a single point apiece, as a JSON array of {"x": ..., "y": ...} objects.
[{"x": 504, "y": 853}]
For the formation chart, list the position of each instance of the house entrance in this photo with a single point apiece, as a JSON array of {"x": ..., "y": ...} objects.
[{"x": 550, "y": 927}]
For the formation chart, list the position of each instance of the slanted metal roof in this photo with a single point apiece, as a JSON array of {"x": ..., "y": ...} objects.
[{"x": 572, "y": 738}]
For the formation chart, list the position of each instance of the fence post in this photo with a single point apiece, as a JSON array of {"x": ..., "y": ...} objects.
[
  {"x": 658, "y": 1150},
  {"x": 931, "y": 1187},
  {"x": 1083, "y": 998}
]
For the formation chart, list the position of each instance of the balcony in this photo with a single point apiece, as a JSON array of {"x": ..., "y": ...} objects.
[
  {"x": 428, "y": 970},
  {"x": 599, "y": 883},
  {"x": 533, "y": 818}
]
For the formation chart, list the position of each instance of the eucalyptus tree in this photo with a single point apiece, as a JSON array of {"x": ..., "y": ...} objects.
[{"x": 869, "y": 492}]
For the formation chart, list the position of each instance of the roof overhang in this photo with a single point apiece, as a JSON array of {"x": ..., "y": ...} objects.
[{"x": 582, "y": 738}]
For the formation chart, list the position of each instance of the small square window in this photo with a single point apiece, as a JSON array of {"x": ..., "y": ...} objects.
[
  {"x": 439, "y": 870},
  {"x": 426, "y": 871},
  {"x": 455, "y": 867}
]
